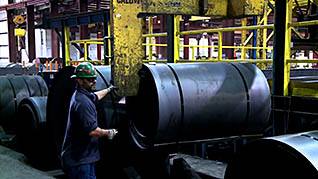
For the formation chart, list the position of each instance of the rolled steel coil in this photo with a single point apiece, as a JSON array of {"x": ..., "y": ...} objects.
[
  {"x": 13, "y": 90},
  {"x": 17, "y": 69},
  {"x": 33, "y": 134},
  {"x": 186, "y": 102},
  {"x": 286, "y": 156}
]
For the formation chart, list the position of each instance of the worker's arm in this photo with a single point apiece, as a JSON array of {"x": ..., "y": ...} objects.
[
  {"x": 98, "y": 132},
  {"x": 102, "y": 93}
]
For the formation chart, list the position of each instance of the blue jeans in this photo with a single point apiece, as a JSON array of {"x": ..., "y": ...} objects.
[{"x": 85, "y": 171}]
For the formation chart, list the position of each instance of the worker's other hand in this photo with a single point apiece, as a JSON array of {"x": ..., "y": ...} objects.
[{"x": 112, "y": 133}]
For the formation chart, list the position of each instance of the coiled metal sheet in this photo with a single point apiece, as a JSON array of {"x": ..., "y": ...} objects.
[
  {"x": 286, "y": 156},
  {"x": 182, "y": 102}
]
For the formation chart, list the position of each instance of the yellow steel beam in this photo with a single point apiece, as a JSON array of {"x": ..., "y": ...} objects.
[
  {"x": 258, "y": 39},
  {"x": 129, "y": 52},
  {"x": 234, "y": 47},
  {"x": 109, "y": 42},
  {"x": 163, "y": 34},
  {"x": 217, "y": 8},
  {"x": 248, "y": 39},
  {"x": 220, "y": 56},
  {"x": 156, "y": 61},
  {"x": 150, "y": 27},
  {"x": 97, "y": 43},
  {"x": 240, "y": 8},
  {"x": 85, "y": 51},
  {"x": 158, "y": 45},
  {"x": 265, "y": 17},
  {"x": 289, "y": 13},
  {"x": 269, "y": 36},
  {"x": 297, "y": 33},
  {"x": 67, "y": 46},
  {"x": 304, "y": 23},
  {"x": 243, "y": 38},
  {"x": 302, "y": 61},
  {"x": 176, "y": 35},
  {"x": 227, "y": 29},
  {"x": 87, "y": 40}
]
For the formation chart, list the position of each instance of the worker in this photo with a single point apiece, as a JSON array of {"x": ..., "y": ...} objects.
[{"x": 80, "y": 147}]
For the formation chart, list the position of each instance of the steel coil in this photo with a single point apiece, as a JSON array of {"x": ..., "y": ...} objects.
[
  {"x": 32, "y": 133},
  {"x": 13, "y": 90},
  {"x": 185, "y": 102},
  {"x": 286, "y": 156}
]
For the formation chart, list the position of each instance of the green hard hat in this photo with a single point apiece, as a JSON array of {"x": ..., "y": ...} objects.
[{"x": 84, "y": 70}]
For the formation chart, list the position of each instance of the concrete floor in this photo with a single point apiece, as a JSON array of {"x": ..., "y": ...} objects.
[
  {"x": 209, "y": 168},
  {"x": 13, "y": 165}
]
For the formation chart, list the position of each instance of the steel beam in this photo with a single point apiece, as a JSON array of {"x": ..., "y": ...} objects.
[
  {"x": 11, "y": 38},
  {"x": 55, "y": 45},
  {"x": 170, "y": 30},
  {"x": 23, "y": 4},
  {"x": 83, "y": 29},
  {"x": 228, "y": 38},
  {"x": 31, "y": 32}
]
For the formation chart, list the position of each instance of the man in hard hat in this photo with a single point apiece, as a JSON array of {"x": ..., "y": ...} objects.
[{"x": 80, "y": 146}]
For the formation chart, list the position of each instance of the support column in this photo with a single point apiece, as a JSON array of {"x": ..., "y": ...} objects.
[
  {"x": 11, "y": 38},
  {"x": 83, "y": 28},
  {"x": 281, "y": 69},
  {"x": 228, "y": 39},
  {"x": 55, "y": 45},
  {"x": 31, "y": 32},
  {"x": 281, "y": 48},
  {"x": 170, "y": 30},
  {"x": 186, "y": 37}
]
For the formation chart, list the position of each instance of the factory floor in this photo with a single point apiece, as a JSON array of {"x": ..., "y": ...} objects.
[
  {"x": 205, "y": 168},
  {"x": 15, "y": 165}
]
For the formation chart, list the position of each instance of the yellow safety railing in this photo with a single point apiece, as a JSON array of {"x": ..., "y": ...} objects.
[
  {"x": 220, "y": 47},
  {"x": 86, "y": 43}
]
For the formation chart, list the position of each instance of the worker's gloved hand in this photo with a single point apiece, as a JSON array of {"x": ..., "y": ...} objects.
[
  {"x": 111, "y": 87},
  {"x": 112, "y": 133}
]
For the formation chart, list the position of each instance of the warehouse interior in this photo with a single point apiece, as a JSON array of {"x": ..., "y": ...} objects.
[{"x": 206, "y": 88}]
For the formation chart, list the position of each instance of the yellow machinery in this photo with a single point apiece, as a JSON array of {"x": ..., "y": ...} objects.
[{"x": 127, "y": 29}]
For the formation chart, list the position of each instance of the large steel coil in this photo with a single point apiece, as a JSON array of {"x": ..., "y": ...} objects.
[
  {"x": 286, "y": 156},
  {"x": 185, "y": 102},
  {"x": 32, "y": 133},
  {"x": 17, "y": 69},
  {"x": 13, "y": 90}
]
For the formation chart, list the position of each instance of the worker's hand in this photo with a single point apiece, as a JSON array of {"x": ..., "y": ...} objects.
[
  {"x": 111, "y": 133},
  {"x": 111, "y": 87}
]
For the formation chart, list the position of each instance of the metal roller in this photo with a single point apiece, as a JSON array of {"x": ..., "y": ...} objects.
[
  {"x": 14, "y": 90},
  {"x": 286, "y": 156},
  {"x": 185, "y": 102}
]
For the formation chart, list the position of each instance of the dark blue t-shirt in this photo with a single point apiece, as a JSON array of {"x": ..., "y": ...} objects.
[{"x": 79, "y": 147}]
